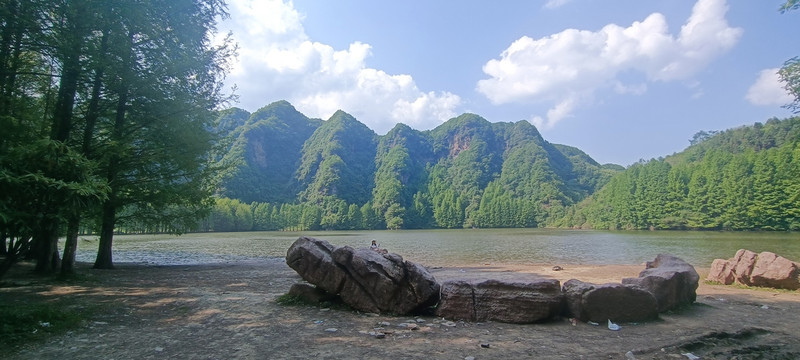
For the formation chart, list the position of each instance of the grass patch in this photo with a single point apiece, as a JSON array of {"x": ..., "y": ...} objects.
[
  {"x": 291, "y": 300},
  {"x": 737, "y": 285},
  {"x": 25, "y": 323}
]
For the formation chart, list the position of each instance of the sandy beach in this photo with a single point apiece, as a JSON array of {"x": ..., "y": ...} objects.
[{"x": 229, "y": 311}]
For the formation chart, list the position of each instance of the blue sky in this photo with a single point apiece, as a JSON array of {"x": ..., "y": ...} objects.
[{"x": 622, "y": 80}]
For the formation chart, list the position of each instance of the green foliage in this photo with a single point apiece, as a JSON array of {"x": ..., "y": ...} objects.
[
  {"x": 790, "y": 5},
  {"x": 790, "y": 76},
  {"x": 118, "y": 99},
  {"x": 740, "y": 179},
  {"x": 338, "y": 160},
  {"x": 262, "y": 158},
  {"x": 346, "y": 177}
]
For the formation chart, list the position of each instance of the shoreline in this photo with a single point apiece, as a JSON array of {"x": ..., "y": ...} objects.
[{"x": 228, "y": 310}]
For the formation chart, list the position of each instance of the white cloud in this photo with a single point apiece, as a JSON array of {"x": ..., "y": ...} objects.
[
  {"x": 566, "y": 68},
  {"x": 552, "y": 4},
  {"x": 278, "y": 61},
  {"x": 768, "y": 90}
]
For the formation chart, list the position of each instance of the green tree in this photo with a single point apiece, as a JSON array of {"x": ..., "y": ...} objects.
[
  {"x": 158, "y": 138},
  {"x": 262, "y": 217}
]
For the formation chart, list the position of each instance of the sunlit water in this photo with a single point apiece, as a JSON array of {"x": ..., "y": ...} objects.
[{"x": 455, "y": 247}]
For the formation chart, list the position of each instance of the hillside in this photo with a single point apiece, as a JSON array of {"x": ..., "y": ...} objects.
[
  {"x": 264, "y": 152},
  {"x": 338, "y": 174},
  {"x": 746, "y": 178}
]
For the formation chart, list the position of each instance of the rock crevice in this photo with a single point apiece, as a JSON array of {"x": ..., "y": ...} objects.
[{"x": 364, "y": 279}]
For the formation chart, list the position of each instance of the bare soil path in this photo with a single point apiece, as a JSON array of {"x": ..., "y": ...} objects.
[{"x": 228, "y": 311}]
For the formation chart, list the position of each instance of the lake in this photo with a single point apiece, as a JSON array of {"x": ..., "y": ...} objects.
[{"x": 456, "y": 247}]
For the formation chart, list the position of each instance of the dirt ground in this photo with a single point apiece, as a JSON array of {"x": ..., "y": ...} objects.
[{"x": 228, "y": 311}]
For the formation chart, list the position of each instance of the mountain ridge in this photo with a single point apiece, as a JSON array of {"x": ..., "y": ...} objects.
[{"x": 281, "y": 156}]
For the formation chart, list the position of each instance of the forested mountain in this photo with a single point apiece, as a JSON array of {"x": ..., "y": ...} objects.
[
  {"x": 746, "y": 178},
  {"x": 263, "y": 152},
  {"x": 338, "y": 174}
]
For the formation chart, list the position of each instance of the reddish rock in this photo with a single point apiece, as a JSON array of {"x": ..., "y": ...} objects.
[
  {"x": 505, "y": 301},
  {"x": 617, "y": 302},
  {"x": 721, "y": 272},
  {"x": 671, "y": 280},
  {"x": 775, "y": 271},
  {"x": 743, "y": 263}
]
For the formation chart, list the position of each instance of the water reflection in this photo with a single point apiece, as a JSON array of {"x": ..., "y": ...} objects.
[{"x": 457, "y": 247}]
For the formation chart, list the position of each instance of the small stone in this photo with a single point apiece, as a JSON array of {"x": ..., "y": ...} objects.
[
  {"x": 409, "y": 326},
  {"x": 420, "y": 320},
  {"x": 469, "y": 358},
  {"x": 380, "y": 336},
  {"x": 331, "y": 329},
  {"x": 448, "y": 323},
  {"x": 485, "y": 345},
  {"x": 384, "y": 323},
  {"x": 159, "y": 349}
]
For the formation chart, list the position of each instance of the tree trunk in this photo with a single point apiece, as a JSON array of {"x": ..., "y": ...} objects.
[
  {"x": 46, "y": 247},
  {"x": 104, "y": 259},
  {"x": 70, "y": 56},
  {"x": 92, "y": 112},
  {"x": 109, "y": 217},
  {"x": 3, "y": 244},
  {"x": 70, "y": 246}
]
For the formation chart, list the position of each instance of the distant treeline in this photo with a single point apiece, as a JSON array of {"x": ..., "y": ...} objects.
[{"x": 741, "y": 179}]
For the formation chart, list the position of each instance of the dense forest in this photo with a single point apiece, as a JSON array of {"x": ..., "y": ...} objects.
[
  {"x": 740, "y": 179},
  {"x": 469, "y": 173},
  {"x": 106, "y": 109},
  {"x": 286, "y": 171}
]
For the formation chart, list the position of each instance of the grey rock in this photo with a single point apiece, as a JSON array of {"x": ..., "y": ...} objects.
[
  {"x": 671, "y": 280},
  {"x": 504, "y": 301},
  {"x": 364, "y": 279},
  {"x": 599, "y": 303}
]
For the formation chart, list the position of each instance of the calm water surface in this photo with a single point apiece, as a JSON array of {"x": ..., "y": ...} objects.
[{"x": 456, "y": 247}]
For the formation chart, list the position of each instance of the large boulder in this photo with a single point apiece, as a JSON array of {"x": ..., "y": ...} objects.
[
  {"x": 775, "y": 271},
  {"x": 671, "y": 280},
  {"x": 364, "y": 279},
  {"x": 617, "y": 302},
  {"x": 500, "y": 300},
  {"x": 748, "y": 268},
  {"x": 722, "y": 272},
  {"x": 743, "y": 263}
]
